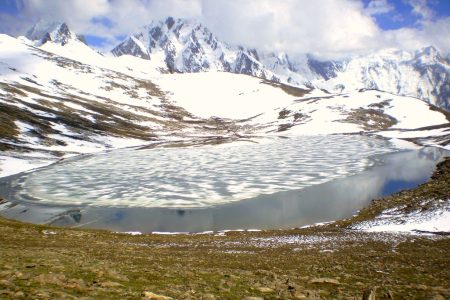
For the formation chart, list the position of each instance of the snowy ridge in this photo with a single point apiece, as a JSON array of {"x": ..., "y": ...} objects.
[
  {"x": 423, "y": 74},
  {"x": 177, "y": 45},
  {"x": 56, "y": 32},
  {"x": 316, "y": 112}
]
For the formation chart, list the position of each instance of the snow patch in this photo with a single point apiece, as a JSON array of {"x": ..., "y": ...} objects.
[
  {"x": 392, "y": 220},
  {"x": 219, "y": 94},
  {"x": 11, "y": 165}
]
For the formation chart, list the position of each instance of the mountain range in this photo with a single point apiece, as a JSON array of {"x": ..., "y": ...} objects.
[
  {"x": 175, "y": 82},
  {"x": 187, "y": 46},
  {"x": 177, "y": 45}
]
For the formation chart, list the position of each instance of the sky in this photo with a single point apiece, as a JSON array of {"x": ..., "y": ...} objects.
[{"x": 324, "y": 28}]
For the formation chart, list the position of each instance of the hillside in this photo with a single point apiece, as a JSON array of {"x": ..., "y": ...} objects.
[
  {"x": 181, "y": 166},
  {"x": 62, "y": 99}
]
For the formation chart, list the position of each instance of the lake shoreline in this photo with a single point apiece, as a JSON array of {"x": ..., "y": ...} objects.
[
  {"x": 327, "y": 262},
  {"x": 383, "y": 174}
]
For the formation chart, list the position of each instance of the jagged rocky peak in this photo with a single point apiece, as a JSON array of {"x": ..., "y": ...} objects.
[
  {"x": 430, "y": 55},
  {"x": 423, "y": 74},
  {"x": 167, "y": 35},
  {"x": 326, "y": 69},
  {"x": 185, "y": 45},
  {"x": 53, "y": 31},
  {"x": 429, "y": 51}
]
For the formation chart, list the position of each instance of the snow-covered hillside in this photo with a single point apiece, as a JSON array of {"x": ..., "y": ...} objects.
[
  {"x": 296, "y": 111},
  {"x": 177, "y": 45},
  {"x": 58, "y": 97},
  {"x": 423, "y": 74},
  {"x": 53, "y": 106}
]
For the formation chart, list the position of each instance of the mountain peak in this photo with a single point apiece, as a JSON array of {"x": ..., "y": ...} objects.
[
  {"x": 186, "y": 45},
  {"x": 429, "y": 52},
  {"x": 54, "y": 31},
  {"x": 170, "y": 22},
  {"x": 41, "y": 28},
  {"x": 430, "y": 56}
]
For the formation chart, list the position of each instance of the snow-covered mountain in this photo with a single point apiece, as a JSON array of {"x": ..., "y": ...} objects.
[
  {"x": 178, "y": 45},
  {"x": 59, "y": 100},
  {"x": 424, "y": 74},
  {"x": 56, "y": 32},
  {"x": 59, "y": 97}
]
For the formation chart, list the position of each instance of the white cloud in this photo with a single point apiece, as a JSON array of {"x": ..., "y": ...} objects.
[
  {"x": 326, "y": 28},
  {"x": 433, "y": 33},
  {"x": 378, "y": 7},
  {"x": 72, "y": 11},
  {"x": 128, "y": 15},
  {"x": 421, "y": 8}
]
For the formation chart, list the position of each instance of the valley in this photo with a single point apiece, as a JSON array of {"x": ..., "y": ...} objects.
[
  {"x": 51, "y": 107},
  {"x": 181, "y": 165}
]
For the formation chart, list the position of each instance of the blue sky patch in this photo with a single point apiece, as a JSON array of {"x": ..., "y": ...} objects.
[
  {"x": 103, "y": 21},
  {"x": 95, "y": 40},
  {"x": 403, "y": 15},
  {"x": 9, "y": 7}
]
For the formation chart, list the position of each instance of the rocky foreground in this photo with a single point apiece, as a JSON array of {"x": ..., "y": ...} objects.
[{"x": 322, "y": 262}]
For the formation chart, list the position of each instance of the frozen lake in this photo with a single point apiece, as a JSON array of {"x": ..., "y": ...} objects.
[
  {"x": 201, "y": 176},
  {"x": 276, "y": 184}
]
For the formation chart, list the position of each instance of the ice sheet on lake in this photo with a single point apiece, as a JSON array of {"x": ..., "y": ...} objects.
[{"x": 202, "y": 176}]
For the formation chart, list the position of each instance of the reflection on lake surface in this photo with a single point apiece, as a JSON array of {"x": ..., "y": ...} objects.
[{"x": 276, "y": 185}]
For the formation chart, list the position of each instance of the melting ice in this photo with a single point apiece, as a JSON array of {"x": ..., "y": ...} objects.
[{"x": 201, "y": 176}]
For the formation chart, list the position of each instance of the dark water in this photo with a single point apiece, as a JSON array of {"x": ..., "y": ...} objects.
[{"x": 336, "y": 199}]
